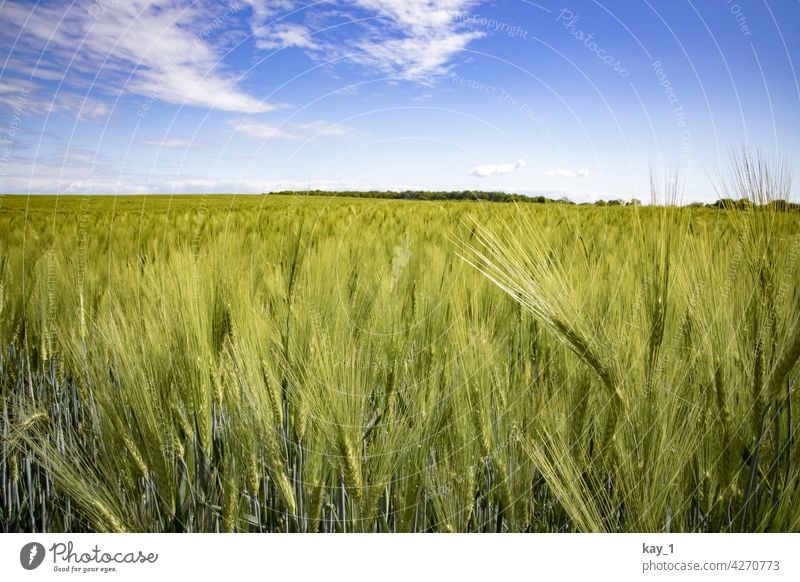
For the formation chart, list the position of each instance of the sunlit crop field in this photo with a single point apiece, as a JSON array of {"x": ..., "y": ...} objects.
[{"x": 305, "y": 364}]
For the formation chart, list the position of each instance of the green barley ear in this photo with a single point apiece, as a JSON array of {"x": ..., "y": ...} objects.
[
  {"x": 13, "y": 468},
  {"x": 729, "y": 455},
  {"x": 757, "y": 410},
  {"x": 230, "y": 496},
  {"x": 317, "y": 499},
  {"x": 278, "y": 472},
  {"x": 351, "y": 467},
  {"x": 133, "y": 452},
  {"x": 783, "y": 367},
  {"x": 542, "y": 286},
  {"x": 552, "y": 459},
  {"x": 253, "y": 475}
]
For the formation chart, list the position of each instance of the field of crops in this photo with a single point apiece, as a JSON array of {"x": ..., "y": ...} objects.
[{"x": 303, "y": 364}]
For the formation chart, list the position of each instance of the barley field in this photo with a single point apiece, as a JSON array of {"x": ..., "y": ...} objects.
[{"x": 335, "y": 364}]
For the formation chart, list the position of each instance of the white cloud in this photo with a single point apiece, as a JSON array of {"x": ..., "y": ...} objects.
[
  {"x": 414, "y": 39},
  {"x": 432, "y": 33},
  {"x": 562, "y": 173},
  {"x": 171, "y": 143},
  {"x": 25, "y": 96},
  {"x": 346, "y": 90},
  {"x": 267, "y": 9},
  {"x": 259, "y": 130},
  {"x": 301, "y": 131},
  {"x": 65, "y": 170},
  {"x": 286, "y": 35},
  {"x": 132, "y": 46},
  {"x": 496, "y": 169},
  {"x": 414, "y": 56},
  {"x": 325, "y": 129},
  {"x": 420, "y": 16},
  {"x": 76, "y": 179},
  {"x": 83, "y": 106}
]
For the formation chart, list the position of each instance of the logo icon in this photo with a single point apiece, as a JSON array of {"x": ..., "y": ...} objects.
[{"x": 31, "y": 555}]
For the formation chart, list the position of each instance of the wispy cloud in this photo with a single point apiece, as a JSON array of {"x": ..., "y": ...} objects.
[
  {"x": 172, "y": 143},
  {"x": 496, "y": 169},
  {"x": 325, "y": 129},
  {"x": 413, "y": 39},
  {"x": 563, "y": 173},
  {"x": 259, "y": 130},
  {"x": 431, "y": 33},
  {"x": 287, "y": 35},
  {"x": 82, "y": 106},
  {"x": 28, "y": 97},
  {"x": 73, "y": 178},
  {"x": 131, "y": 46},
  {"x": 300, "y": 131}
]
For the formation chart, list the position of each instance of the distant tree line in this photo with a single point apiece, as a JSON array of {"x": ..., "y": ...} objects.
[
  {"x": 484, "y": 196},
  {"x": 470, "y": 195},
  {"x": 744, "y": 204}
]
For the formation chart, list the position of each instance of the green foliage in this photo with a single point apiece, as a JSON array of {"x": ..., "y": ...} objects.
[{"x": 433, "y": 195}]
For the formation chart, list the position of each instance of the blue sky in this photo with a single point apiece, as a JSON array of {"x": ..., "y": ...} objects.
[{"x": 577, "y": 98}]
